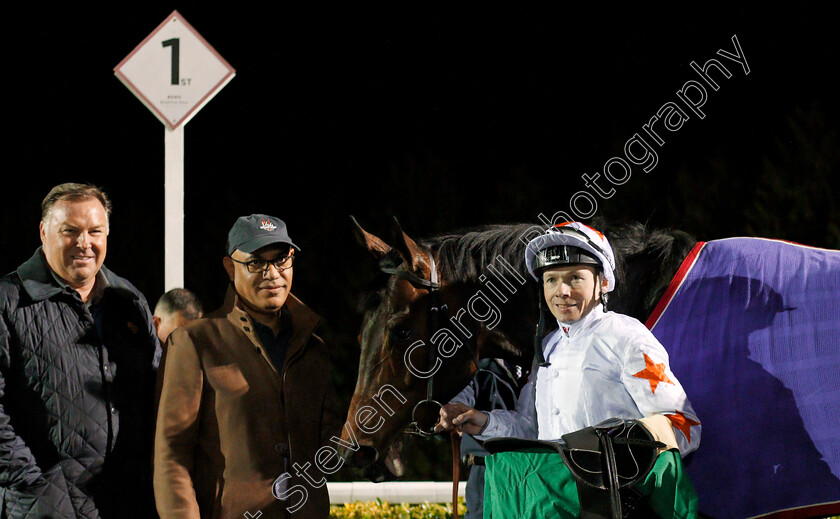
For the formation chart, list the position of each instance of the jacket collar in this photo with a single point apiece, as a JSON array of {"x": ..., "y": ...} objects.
[
  {"x": 304, "y": 320},
  {"x": 40, "y": 282}
]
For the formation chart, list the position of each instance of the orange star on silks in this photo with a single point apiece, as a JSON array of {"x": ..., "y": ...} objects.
[
  {"x": 655, "y": 373},
  {"x": 682, "y": 424}
]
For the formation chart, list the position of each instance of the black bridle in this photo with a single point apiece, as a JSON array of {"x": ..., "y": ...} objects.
[{"x": 438, "y": 312}]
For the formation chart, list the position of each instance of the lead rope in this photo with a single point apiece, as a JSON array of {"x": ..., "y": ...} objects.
[
  {"x": 456, "y": 470},
  {"x": 538, "y": 336}
]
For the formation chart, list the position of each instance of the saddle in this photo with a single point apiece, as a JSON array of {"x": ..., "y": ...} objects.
[{"x": 606, "y": 460}]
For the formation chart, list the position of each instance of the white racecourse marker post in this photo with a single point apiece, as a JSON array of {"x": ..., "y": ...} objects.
[{"x": 174, "y": 72}]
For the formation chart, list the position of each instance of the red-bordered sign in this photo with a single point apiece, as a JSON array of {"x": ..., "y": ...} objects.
[{"x": 174, "y": 71}]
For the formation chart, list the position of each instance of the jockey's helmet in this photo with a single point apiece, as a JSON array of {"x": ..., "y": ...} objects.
[{"x": 571, "y": 243}]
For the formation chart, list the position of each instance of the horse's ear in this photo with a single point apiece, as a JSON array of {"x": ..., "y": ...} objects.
[
  {"x": 376, "y": 246},
  {"x": 409, "y": 251}
]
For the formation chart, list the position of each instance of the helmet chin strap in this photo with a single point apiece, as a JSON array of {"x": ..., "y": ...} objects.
[
  {"x": 604, "y": 295},
  {"x": 541, "y": 362}
]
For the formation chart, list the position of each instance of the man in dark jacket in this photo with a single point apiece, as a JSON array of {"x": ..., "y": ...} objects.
[
  {"x": 246, "y": 409},
  {"x": 78, "y": 353}
]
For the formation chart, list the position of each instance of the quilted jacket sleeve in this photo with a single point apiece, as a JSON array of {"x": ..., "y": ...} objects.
[
  {"x": 17, "y": 464},
  {"x": 24, "y": 489},
  {"x": 177, "y": 429}
]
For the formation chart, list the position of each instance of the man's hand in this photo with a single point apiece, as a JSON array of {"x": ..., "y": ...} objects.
[{"x": 462, "y": 418}]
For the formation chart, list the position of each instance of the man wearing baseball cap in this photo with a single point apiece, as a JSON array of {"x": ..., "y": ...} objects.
[{"x": 247, "y": 394}]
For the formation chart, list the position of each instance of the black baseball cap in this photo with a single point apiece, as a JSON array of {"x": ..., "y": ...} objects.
[{"x": 250, "y": 233}]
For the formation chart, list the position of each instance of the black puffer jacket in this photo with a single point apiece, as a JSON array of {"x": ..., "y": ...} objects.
[{"x": 76, "y": 398}]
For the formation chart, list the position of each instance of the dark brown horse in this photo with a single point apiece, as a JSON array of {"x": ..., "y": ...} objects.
[{"x": 446, "y": 301}]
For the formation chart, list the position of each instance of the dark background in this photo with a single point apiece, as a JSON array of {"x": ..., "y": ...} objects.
[{"x": 443, "y": 117}]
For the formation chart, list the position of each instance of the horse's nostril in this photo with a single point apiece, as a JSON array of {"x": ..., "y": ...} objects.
[{"x": 363, "y": 457}]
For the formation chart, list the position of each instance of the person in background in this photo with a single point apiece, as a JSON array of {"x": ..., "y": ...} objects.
[
  {"x": 174, "y": 309},
  {"x": 495, "y": 385},
  {"x": 78, "y": 354}
]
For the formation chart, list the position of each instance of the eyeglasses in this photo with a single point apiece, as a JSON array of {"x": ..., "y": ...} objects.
[{"x": 261, "y": 265}]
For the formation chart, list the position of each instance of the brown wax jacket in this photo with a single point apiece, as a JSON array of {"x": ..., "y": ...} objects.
[{"x": 229, "y": 425}]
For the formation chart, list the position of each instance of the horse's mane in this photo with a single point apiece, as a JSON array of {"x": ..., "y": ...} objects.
[
  {"x": 475, "y": 255},
  {"x": 646, "y": 260},
  {"x": 465, "y": 255}
]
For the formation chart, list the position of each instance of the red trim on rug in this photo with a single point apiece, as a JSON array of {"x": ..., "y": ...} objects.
[
  {"x": 683, "y": 271},
  {"x": 824, "y": 509}
]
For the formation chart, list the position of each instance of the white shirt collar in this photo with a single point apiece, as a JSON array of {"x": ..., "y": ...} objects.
[{"x": 570, "y": 330}]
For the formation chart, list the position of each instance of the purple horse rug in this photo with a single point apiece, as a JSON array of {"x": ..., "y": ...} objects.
[{"x": 752, "y": 327}]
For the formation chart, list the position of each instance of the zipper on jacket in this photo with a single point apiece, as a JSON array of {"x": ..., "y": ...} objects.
[{"x": 106, "y": 386}]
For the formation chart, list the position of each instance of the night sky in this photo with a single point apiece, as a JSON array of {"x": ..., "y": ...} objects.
[{"x": 443, "y": 117}]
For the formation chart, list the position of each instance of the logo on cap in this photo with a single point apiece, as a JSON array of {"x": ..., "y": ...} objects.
[{"x": 267, "y": 225}]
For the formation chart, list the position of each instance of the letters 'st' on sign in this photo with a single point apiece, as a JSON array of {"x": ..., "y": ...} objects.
[{"x": 174, "y": 71}]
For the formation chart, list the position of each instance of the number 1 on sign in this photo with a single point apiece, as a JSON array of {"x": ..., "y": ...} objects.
[{"x": 175, "y": 43}]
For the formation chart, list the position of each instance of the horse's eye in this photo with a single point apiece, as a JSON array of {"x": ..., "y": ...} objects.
[{"x": 401, "y": 333}]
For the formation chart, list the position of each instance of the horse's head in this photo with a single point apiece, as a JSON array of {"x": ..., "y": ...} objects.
[{"x": 418, "y": 347}]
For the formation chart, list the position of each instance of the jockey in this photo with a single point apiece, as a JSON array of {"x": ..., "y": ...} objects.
[{"x": 596, "y": 365}]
